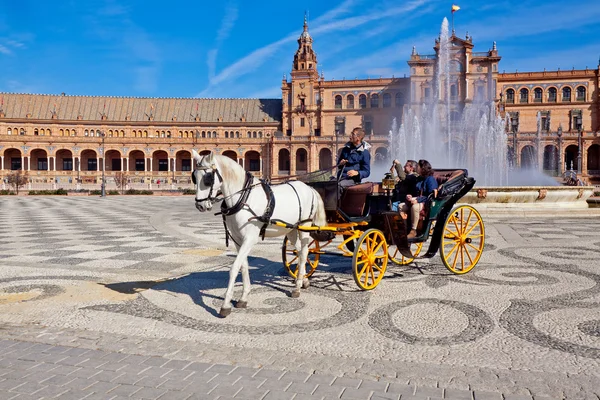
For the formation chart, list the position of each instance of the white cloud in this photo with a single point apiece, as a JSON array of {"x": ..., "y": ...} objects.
[{"x": 227, "y": 24}]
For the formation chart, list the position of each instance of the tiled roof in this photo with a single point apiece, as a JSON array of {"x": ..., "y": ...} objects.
[{"x": 92, "y": 108}]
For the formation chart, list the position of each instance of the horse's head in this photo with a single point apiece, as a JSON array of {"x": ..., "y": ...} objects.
[{"x": 207, "y": 179}]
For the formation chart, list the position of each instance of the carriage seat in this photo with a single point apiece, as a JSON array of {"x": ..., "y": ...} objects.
[
  {"x": 354, "y": 199},
  {"x": 443, "y": 177}
]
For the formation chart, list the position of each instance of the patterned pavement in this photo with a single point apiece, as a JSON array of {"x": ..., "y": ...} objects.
[{"x": 138, "y": 281}]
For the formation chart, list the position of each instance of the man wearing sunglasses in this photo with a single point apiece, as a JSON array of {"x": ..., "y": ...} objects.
[{"x": 354, "y": 162}]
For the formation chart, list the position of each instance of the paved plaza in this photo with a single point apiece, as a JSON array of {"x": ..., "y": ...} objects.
[{"x": 117, "y": 297}]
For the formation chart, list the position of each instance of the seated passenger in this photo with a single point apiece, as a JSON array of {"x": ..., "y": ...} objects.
[
  {"x": 426, "y": 186},
  {"x": 407, "y": 182},
  {"x": 354, "y": 161}
]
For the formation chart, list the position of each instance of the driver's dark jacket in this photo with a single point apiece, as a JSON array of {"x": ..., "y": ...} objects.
[{"x": 359, "y": 159}]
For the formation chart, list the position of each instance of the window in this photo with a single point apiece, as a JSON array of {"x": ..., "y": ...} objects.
[
  {"x": 288, "y": 132},
  {"x": 368, "y": 125},
  {"x": 163, "y": 164},
  {"x": 302, "y": 119},
  {"x": 254, "y": 164},
  {"x": 374, "y": 100},
  {"x": 453, "y": 92},
  {"x": 479, "y": 90},
  {"x": 36, "y": 133},
  {"x": 9, "y": 131},
  {"x": 566, "y": 94},
  {"x": 427, "y": 92},
  {"x": 67, "y": 164},
  {"x": 92, "y": 164},
  {"x": 22, "y": 132},
  {"x": 524, "y": 95},
  {"x": 399, "y": 99},
  {"x": 552, "y": 95},
  {"x": 576, "y": 120},
  {"x": 580, "y": 93},
  {"x": 510, "y": 96},
  {"x": 340, "y": 125},
  {"x": 387, "y": 100},
  {"x": 514, "y": 121},
  {"x": 186, "y": 164},
  {"x": 350, "y": 101},
  {"x": 545, "y": 121},
  {"x": 42, "y": 164},
  {"x": 338, "y": 101},
  {"x": 537, "y": 95},
  {"x": 15, "y": 163},
  {"x": 317, "y": 131},
  {"x": 140, "y": 164},
  {"x": 362, "y": 101},
  {"x": 116, "y": 164}
]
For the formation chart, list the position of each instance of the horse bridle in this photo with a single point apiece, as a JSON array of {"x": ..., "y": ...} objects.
[{"x": 209, "y": 180}]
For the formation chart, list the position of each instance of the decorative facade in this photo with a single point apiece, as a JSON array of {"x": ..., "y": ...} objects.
[{"x": 69, "y": 139}]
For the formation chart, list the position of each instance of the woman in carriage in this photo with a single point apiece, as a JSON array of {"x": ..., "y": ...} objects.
[{"x": 426, "y": 186}]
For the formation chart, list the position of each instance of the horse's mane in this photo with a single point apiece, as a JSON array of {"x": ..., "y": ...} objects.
[{"x": 231, "y": 171}]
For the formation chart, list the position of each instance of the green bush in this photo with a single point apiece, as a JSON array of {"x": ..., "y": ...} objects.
[
  {"x": 135, "y": 191},
  {"x": 95, "y": 192},
  {"x": 6, "y": 192},
  {"x": 113, "y": 192},
  {"x": 188, "y": 191},
  {"x": 60, "y": 192}
]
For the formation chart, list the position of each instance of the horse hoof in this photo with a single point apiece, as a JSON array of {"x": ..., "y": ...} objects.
[
  {"x": 295, "y": 294},
  {"x": 225, "y": 312},
  {"x": 305, "y": 284},
  {"x": 241, "y": 304}
]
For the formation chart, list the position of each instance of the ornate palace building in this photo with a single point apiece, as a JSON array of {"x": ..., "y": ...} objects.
[{"x": 67, "y": 139}]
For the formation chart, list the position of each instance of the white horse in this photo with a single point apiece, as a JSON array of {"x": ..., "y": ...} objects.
[{"x": 245, "y": 199}]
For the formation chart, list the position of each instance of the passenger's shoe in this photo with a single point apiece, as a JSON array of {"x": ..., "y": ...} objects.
[{"x": 412, "y": 234}]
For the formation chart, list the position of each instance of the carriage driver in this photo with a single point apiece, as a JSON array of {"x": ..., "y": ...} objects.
[{"x": 355, "y": 160}]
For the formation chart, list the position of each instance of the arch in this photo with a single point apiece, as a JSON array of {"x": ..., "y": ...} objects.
[
  {"x": 183, "y": 161},
  {"x": 580, "y": 96},
  {"x": 137, "y": 161},
  {"x": 387, "y": 100},
  {"x": 550, "y": 162},
  {"x": 571, "y": 157},
  {"x": 283, "y": 161},
  {"x": 510, "y": 96},
  {"x": 552, "y": 95},
  {"x": 566, "y": 94},
  {"x": 338, "y": 101},
  {"x": 593, "y": 159},
  {"x": 63, "y": 161},
  {"x": 13, "y": 159},
  {"x": 538, "y": 93},
  {"x": 88, "y": 160},
  {"x": 524, "y": 95},
  {"x": 325, "y": 159},
  {"x": 350, "y": 101},
  {"x": 528, "y": 157},
  {"x": 231, "y": 154},
  {"x": 252, "y": 161},
  {"x": 380, "y": 156},
  {"x": 374, "y": 100},
  {"x": 38, "y": 160},
  {"x": 160, "y": 161},
  {"x": 399, "y": 99},
  {"x": 301, "y": 160},
  {"x": 113, "y": 160},
  {"x": 362, "y": 101}
]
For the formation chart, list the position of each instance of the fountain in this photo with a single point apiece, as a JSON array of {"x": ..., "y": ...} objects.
[{"x": 475, "y": 137}]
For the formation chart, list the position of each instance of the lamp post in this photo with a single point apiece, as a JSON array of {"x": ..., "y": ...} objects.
[
  {"x": 559, "y": 132},
  {"x": 103, "y": 187},
  {"x": 579, "y": 145}
]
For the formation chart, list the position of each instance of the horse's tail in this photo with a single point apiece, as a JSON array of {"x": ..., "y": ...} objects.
[{"x": 319, "y": 217}]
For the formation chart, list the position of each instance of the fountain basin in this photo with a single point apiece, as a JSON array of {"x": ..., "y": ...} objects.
[{"x": 529, "y": 197}]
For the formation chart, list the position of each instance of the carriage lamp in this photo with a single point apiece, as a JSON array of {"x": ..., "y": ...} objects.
[{"x": 388, "y": 182}]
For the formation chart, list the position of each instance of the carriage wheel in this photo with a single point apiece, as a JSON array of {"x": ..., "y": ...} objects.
[
  {"x": 463, "y": 239},
  {"x": 370, "y": 259},
  {"x": 289, "y": 256},
  {"x": 397, "y": 258}
]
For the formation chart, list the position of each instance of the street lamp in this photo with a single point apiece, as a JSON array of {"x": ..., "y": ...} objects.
[
  {"x": 579, "y": 145},
  {"x": 103, "y": 187},
  {"x": 559, "y": 132}
]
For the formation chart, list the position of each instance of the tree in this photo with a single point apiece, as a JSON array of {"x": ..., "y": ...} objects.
[
  {"x": 17, "y": 179},
  {"x": 121, "y": 179}
]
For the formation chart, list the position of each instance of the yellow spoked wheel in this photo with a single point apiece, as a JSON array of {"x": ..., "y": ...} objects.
[
  {"x": 399, "y": 259},
  {"x": 463, "y": 239},
  {"x": 370, "y": 259},
  {"x": 289, "y": 256}
]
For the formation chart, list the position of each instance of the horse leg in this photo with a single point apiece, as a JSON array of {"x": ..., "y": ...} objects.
[
  {"x": 242, "y": 257},
  {"x": 301, "y": 241},
  {"x": 305, "y": 244},
  {"x": 243, "y": 301}
]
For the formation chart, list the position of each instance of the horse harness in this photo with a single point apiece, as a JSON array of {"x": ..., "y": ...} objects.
[{"x": 265, "y": 218}]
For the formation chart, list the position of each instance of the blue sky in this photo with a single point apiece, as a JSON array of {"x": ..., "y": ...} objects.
[{"x": 236, "y": 48}]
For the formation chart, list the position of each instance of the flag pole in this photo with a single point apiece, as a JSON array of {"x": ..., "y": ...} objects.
[{"x": 452, "y": 21}]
